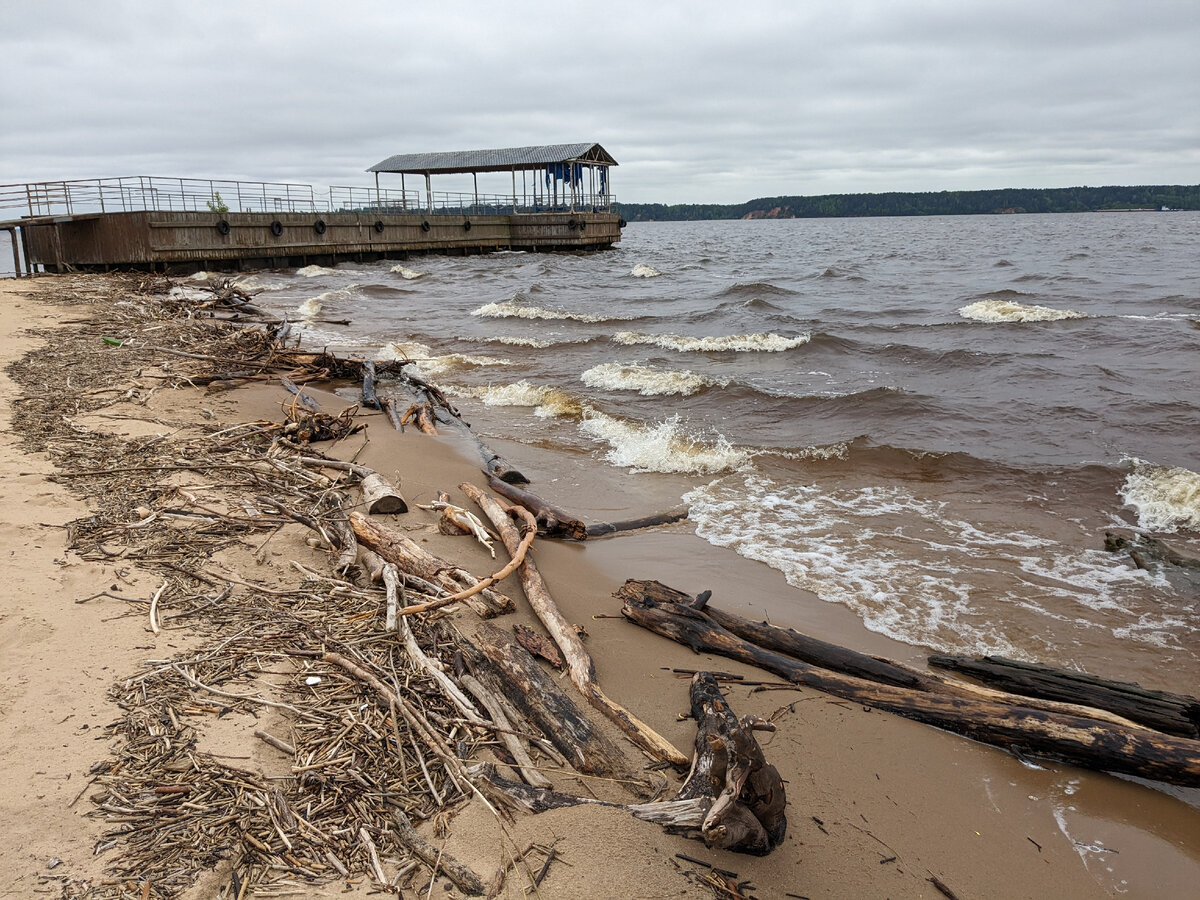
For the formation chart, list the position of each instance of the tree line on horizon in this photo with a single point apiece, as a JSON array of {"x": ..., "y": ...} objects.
[{"x": 926, "y": 203}]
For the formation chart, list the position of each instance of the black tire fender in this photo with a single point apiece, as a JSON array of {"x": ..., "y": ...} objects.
[
  {"x": 319, "y": 226},
  {"x": 467, "y": 225},
  {"x": 425, "y": 226},
  {"x": 222, "y": 227},
  {"x": 378, "y": 226},
  {"x": 277, "y": 228}
]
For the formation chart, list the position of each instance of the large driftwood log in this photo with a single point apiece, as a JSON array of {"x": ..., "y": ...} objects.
[
  {"x": 733, "y": 799},
  {"x": 1091, "y": 743},
  {"x": 1169, "y": 713},
  {"x": 579, "y": 661},
  {"x": 785, "y": 640},
  {"x": 378, "y": 493},
  {"x": 1143, "y": 547},
  {"x": 540, "y": 700},
  {"x": 552, "y": 521},
  {"x": 410, "y": 557}
]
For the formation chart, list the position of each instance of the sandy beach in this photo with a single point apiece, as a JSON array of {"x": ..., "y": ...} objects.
[{"x": 877, "y": 806}]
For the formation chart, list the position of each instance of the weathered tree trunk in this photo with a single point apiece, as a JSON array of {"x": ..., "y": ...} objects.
[
  {"x": 579, "y": 662},
  {"x": 1143, "y": 547},
  {"x": 369, "y": 397},
  {"x": 540, "y": 700},
  {"x": 1091, "y": 743},
  {"x": 733, "y": 798},
  {"x": 552, "y": 521},
  {"x": 437, "y": 859},
  {"x": 379, "y": 497},
  {"x": 410, "y": 557},
  {"x": 600, "y": 529},
  {"x": 784, "y": 640},
  {"x": 1163, "y": 711}
]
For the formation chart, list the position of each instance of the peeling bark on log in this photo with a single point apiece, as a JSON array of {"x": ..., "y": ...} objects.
[
  {"x": 579, "y": 662},
  {"x": 1169, "y": 713},
  {"x": 785, "y": 640},
  {"x": 538, "y": 645},
  {"x": 1091, "y": 743},
  {"x": 733, "y": 798},
  {"x": 540, "y": 700},
  {"x": 601, "y": 529},
  {"x": 412, "y": 558},
  {"x": 552, "y": 521}
]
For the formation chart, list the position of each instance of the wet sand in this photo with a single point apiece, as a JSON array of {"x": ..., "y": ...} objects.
[{"x": 878, "y": 806}]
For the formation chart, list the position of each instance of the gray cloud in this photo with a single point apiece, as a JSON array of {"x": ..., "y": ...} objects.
[{"x": 698, "y": 101}]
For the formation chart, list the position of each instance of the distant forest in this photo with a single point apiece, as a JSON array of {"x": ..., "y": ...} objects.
[{"x": 930, "y": 203}]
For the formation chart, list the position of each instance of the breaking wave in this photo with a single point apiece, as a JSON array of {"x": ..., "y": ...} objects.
[
  {"x": 313, "y": 271},
  {"x": 310, "y": 308},
  {"x": 742, "y": 343},
  {"x": 430, "y": 365},
  {"x": 510, "y": 309},
  {"x": 641, "y": 270},
  {"x": 647, "y": 381},
  {"x": 1010, "y": 311},
  {"x": 406, "y": 273},
  {"x": 665, "y": 447},
  {"x": 1166, "y": 498}
]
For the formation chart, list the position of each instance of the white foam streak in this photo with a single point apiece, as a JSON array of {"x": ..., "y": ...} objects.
[
  {"x": 430, "y": 365},
  {"x": 406, "y": 273},
  {"x": 647, "y": 381},
  {"x": 741, "y": 343},
  {"x": 1166, "y": 498},
  {"x": 905, "y": 567},
  {"x": 1008, "y": 311},
  {"x": 508, "y": 309},
  {"x": 641, "y": 270}
]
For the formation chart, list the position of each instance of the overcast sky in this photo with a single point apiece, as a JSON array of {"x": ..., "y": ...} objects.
[{"x": 697, "y": 101}]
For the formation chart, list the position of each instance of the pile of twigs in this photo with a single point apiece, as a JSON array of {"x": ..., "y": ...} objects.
[{"x": 308, "y": 653}]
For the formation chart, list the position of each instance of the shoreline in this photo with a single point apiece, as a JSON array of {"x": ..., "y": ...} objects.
[{"x": 863, "y": 786}]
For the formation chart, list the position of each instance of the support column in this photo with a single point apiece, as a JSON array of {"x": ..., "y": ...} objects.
[{"x": 429, "y": 192}]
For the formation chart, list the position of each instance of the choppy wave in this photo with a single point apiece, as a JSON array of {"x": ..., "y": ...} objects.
[
  {"x": 510, "y": 309},
  {"x": 742, "y": 343},
  {"x": 547, "y": 402},
  {"x": 406, "y": 273},
  {"x": 647, "y": 381},
  {"x": 901, "y": 562},
  {"x": 1010, "y": 311},
  {"x": 641, "y": 270},
  {"x": 1166, "y": 498},
  {"x": 428, "y": 364},
  {"x": 754, "y": 289},
  {"x": 667, "y": 447},
  {"x": 255, "y": 283},
  {"x": 313, "y": 271},
  {"x": 310, "y": 308}
]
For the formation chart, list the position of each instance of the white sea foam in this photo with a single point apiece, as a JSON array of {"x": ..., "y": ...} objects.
[
  {"x": 406, "y": 273},
  {"x": 743, "y": 343},
  {"x": 310, "y": 308},
  {"x": 661, "y": 447},
  {"x": 256, "y": 283},
  {"x": 313, "y": 271},
  {"x": 905, "y": 566},
  {"x": 1008, "y": 311},
  {"x": 429, "y": 364},
  {"x": 641, "y": 270},
  {"x": 1166, "y": 498},
  {"x": 515, "y": 341},
  {"x": 509, "y": 309},
  {"x": 647, "y": 381}
]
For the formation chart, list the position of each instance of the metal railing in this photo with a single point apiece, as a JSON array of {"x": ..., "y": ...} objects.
[{"x": 145, "y": 192}]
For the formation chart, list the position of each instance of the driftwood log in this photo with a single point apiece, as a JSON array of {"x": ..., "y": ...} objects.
[
  {"x": 601, "y": 529},
  {"x": 579, "y": 662},
  {"x": 1144, "y": 548},
  {"x": 379, "y": 495},
  {"x": 1012, "y": 723},
  {"x": 733, "y": 799},
  {"x": 1169, "y": 713},
  {"x": 552, "y": 521},
  {"x": 413, "y": 559},
  {"x": 537, "y": 696}
]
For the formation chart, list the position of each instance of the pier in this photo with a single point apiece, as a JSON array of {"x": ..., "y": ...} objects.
[{"x": 560, "y": 200}]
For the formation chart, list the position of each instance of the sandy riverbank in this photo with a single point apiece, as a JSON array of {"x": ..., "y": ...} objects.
[{"x": 877, "y": 805}]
